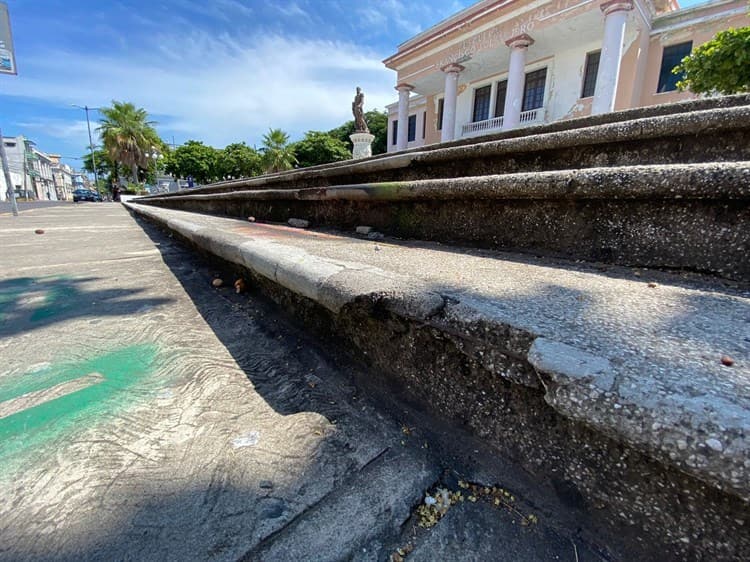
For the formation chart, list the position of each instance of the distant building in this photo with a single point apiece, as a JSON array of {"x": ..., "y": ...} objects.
[
  {"x": 502, "y": 64},
  {"x": 19, "y": 151},
  {"x": 80, "y": 181},
  {"x": 62, "y": 177},
  {"x": 40, "y": 167}
]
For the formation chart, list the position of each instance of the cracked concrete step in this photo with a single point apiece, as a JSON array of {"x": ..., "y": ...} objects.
[
  {"x": 370, "y": 505},
  {"x": 718, "y": 133},
  {"x": 692, "y": 216},
  {"x": 610, "y": 380}
]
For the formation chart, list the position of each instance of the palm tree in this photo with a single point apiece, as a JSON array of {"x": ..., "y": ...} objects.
[
  {"x": 128, "y": 135},
  {"x": 278, "y": 154}
]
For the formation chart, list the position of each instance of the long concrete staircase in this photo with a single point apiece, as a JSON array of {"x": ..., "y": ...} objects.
[{"x": 574, "y": 294}]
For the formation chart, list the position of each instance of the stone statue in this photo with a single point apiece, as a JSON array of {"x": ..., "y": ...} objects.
[{"x": 358, "y": 105}]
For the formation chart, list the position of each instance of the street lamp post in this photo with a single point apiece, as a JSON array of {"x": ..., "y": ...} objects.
[
  {"x": 91, "y": 142},
  {"x": 155, "y": 155}
]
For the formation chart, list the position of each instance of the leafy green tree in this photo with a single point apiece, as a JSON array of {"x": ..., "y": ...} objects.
[
  {"x": 238, "y": 160},
  {"x": 105, "y": 166},
  {"x": 278, "y": 154},
  {"x": 128, "y": 135},
  {"x": 320, "y": 148},
  {"x": 377, "y": 122},
  {"x": 721, "y": 65},
  {"x": 193, "y": 159}
]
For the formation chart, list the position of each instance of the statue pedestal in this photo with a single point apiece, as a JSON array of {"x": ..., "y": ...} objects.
[{"x": 362, "y": 145}]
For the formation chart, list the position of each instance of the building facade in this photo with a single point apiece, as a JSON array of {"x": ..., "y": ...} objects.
[
  {"x": 62, "y": 177},
  {"x": 40, "y": 168},
  {"x": 502, "y": 64},
  {"x": 37, "y": 175},
  {"x": 20, "y": 152}
]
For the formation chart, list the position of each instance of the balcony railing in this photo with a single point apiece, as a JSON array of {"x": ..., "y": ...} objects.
[
  {"x": 527, "y": 118},
  {"x": 486, "y": 125},
  {"x": 532, "y": 115}
]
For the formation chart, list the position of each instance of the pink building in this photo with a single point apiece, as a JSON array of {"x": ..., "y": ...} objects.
[{"x": 502, "y": 64}]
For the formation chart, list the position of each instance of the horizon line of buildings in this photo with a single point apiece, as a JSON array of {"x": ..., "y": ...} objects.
[{"x": 38, "y": 175}]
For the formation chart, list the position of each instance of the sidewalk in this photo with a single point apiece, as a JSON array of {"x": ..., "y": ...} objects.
[{"x": 143, "y": 415}]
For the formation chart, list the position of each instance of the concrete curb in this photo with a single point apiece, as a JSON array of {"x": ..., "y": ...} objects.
[{"x": 675, "y": 430}]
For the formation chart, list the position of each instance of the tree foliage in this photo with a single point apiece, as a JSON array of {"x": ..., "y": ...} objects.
[
  {"x": 128, "y": 135},
  {"x": 278, "y": 154},
  {"x": 320, "y": 148},
  {"x": 193, "y": 159},
  {"x": 207, "y": 164},
  {"x": 238, "y": 160},
  {"x": 377, "y": 122},
  {"x": 721, "y": 65},
  {"x": 105, "y": 166}
]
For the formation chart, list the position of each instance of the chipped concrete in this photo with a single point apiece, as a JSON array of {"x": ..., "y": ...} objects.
[{"x": 635, "y": 364}]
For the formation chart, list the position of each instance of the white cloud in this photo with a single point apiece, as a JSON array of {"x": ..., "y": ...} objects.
[
  {"x": 219, "y": 89},
  {"x": 57, "y": 128},
  {"x": 292, "y": 10}
]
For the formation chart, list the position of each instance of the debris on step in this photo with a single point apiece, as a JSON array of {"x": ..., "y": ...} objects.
[
  {"x": 240, "y": 286},
  {"x": 364, "y": 229},
  {"x": 298, "y": 223},
  {"x": 218, "y": 282}
]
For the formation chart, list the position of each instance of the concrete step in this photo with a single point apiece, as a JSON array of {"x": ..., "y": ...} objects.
[
  {"x": 630, "y": 389},
  {"x": 685, "y": 216},
  {"x": 720, "y": 133},
  {"x": 338, "y": 528}
]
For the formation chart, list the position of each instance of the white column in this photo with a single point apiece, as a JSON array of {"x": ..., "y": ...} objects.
[
  {"x": 451, "y": 71},
  {"x": 519, "y": 46},
  {"x": 403, "y": 115},
  {"x": 615, "y": 17}
]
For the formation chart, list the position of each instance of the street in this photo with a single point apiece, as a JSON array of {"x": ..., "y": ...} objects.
[
  {"x": 146, "y": 414},
  {"x": 5, "y": 206}
]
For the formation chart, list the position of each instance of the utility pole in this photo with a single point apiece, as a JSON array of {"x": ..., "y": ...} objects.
[
  {"x": 8, "y": 181},
  {"x": 91, "y": 142},
  {"x": 7, "y": 66}
]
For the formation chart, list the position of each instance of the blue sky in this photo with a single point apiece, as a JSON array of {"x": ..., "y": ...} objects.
[{"x": 220, "y": 71}]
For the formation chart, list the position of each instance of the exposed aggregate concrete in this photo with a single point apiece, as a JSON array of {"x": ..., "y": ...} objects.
[
  {"x": 633, "y": 412},
  {"x": 689, "y": 216}
]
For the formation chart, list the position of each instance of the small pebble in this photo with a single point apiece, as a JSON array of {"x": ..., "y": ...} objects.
[
  {"x": 39, "y": 231},
  {"x": 652, "y": 285},
  {"x": 726, "y": 360},
  {"x": 377, "y": 248},
  {"x": 217, "y": 282},
  {"x": 251, "y": 219},
  {"x": 364, "y": 229}
]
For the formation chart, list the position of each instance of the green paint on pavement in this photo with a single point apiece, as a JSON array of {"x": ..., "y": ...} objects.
[{"x": 126, "y": 373}]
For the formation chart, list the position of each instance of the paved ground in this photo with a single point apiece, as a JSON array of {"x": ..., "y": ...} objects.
[{"x": 146, "y": 415}]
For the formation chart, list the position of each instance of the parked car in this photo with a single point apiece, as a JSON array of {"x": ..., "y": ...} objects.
[{"x": 86, "y": 195}]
